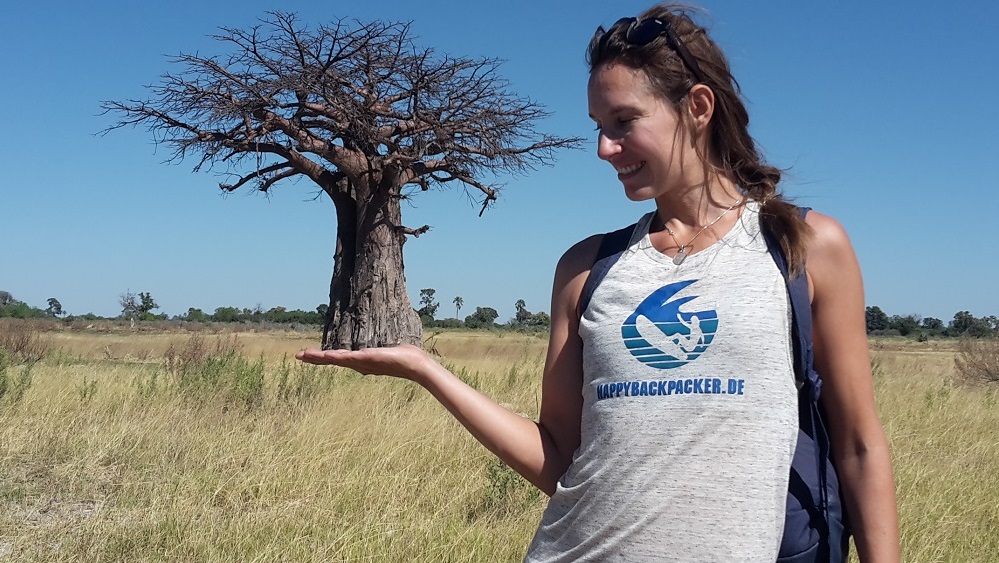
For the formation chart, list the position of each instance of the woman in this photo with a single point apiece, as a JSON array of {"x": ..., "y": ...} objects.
[{"x": 668, "y": 416}]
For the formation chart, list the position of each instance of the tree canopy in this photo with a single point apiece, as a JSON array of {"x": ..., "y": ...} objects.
[{"x": 366, "y": 115}]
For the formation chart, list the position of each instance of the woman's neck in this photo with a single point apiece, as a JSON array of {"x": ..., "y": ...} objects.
[{"x": 699, "y": 204}]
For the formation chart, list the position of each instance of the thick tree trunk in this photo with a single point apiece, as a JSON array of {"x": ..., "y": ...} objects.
[{"x": 369, "y": 305}]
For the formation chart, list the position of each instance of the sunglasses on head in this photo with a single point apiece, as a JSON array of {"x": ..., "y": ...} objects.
[{"x": 641, "y": 33}]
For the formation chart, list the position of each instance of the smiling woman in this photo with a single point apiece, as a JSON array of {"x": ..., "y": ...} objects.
[{"x": 676, "y": 378}]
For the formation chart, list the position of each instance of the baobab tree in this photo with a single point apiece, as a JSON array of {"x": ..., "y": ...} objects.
[{"x": 367, "y": 116}]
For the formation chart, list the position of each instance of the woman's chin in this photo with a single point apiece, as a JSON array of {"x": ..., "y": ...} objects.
[{"x": 639, "y": 193}]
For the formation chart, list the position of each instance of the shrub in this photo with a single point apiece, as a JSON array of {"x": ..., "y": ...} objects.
[
  {"x": 443, "y": 323},
  {"x": 19, "y": 310},
  {"x": 978, "y": 359},
  {"x": 506, "y": 494},
  {"x": 223, "y": 372},
  {"x": 13, "y": 387},
  {"x": 483, "y": 317},
  {"x": 886, "y": 332},
  {"x": 298, "y": 383},
  {"x": 22, "y": 342}
]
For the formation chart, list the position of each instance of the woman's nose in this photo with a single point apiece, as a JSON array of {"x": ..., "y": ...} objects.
[{"x": 607, "y": 147}]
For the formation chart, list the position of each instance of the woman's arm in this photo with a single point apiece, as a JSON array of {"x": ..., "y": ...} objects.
[
  {"x": 540, "y": 451},
  {"x": 859, "y": 445}
]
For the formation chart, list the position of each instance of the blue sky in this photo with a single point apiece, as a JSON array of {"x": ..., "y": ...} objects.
[{"x": 885, "y": 116}]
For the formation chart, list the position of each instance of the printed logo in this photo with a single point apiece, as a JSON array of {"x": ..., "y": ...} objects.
[{"x": 661, "y": 336}]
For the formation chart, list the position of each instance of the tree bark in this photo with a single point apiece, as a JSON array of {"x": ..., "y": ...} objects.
[{"x": 369, "y": 306}]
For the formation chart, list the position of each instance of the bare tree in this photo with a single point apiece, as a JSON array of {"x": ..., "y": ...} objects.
[
  {"x": 137, "y": 306},
  {"x": 366, "y": 115}
]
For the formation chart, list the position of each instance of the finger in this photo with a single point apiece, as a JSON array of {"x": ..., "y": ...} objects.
[{"x": 314, "y": 356}]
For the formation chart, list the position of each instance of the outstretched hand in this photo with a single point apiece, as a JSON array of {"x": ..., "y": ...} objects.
[{"x": 406, "y": 361}]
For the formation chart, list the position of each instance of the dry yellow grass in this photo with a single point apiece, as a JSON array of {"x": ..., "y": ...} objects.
[
  {"x": 944, "y": 434},
  {"x": 99, "y": 467},
  {"x": 104, "y": 461}
]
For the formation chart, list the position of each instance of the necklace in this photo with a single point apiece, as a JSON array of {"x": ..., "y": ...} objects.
[{"x": 681, "y": 253}]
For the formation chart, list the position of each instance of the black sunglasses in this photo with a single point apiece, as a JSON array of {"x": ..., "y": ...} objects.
[{"x": 641, "y": 33}]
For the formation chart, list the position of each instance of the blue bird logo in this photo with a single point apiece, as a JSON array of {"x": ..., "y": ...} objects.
[{"x": 661, "y": 336}]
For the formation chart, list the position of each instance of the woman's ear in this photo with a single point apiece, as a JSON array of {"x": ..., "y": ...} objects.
[{"x": 701, "y": 105}]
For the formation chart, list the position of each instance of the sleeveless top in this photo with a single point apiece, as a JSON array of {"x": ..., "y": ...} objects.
[{"x": 689, "y": 419}]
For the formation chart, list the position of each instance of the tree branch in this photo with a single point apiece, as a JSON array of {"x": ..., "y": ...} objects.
[
  {"x": 412, "y": 232},
  {"x": 267, "y": 183},
  {"x": 255, "y": 175},
  {"x": 361, "y": 100}
]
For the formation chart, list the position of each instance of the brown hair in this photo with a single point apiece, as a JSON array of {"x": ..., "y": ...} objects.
[{"x": 732, "y": 149}]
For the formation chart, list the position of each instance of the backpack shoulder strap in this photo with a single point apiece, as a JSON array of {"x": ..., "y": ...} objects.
[
  {"x": 814, "y": 485},
  {"x": 611, "y": 244},
  {"x": 801, "y": 314},
  {"x": 614, "y": 242}
]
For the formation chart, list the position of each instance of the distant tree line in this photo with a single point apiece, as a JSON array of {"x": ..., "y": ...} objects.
[
  {"x": 141, "y": 306},
  {"x": 12, "y": 308},
  {"x": 279, "y": 315},
  {"x": 923, "y": 328},
  {"x": 482, "y": 317}
]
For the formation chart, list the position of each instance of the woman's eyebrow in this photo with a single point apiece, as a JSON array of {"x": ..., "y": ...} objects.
[{"x": 615, "y": 111}]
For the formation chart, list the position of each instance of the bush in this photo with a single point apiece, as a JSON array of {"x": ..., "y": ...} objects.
[
  {"x": 21, "y": 347},
  {"x": 13, "y": 387},
  {"x": 483, "y": 317},
  {"x": 885, "y": 332},
  {"x": 21, "y": 342},
  {"x": 443, "y": 323},
  {"x": 220, "y": 371},
  {"x": 299, "y": 383},
  {"x": 19, "y": 310},
  {"x": 978, "y": 359},
  {"x": 506, "y": 494}
]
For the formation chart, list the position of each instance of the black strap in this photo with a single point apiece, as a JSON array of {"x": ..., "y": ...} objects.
[
  {"x": 612, "y": 243},
  {"x": 801, "y": 313}
]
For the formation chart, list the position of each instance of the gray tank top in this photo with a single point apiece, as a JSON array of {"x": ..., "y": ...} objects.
[{"x": 689, "y": 417}]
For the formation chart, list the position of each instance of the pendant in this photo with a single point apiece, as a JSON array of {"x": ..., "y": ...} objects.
[{"x": 680, "y": 257}]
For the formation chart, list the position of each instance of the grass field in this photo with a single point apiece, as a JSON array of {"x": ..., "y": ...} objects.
[{"x": 148, "y": 445}]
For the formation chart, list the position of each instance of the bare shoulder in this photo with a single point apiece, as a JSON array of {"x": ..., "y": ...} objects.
[
  {"x": 580, "y": 256},
  {"x": 829, "y": 235},
  {"x": 831, "y": 262},
  {"x": 570, "y": 274},
  {"x": 829, "y": 248}
]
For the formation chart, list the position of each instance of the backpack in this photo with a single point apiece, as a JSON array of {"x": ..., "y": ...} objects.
[{"x": 814, "y": 524}]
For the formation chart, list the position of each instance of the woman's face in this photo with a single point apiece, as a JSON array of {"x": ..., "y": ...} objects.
[{"x": 641, "y": 135}]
